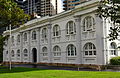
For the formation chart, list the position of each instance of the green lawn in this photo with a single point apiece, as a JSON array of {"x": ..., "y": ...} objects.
[{"x": 37, "y": 73}]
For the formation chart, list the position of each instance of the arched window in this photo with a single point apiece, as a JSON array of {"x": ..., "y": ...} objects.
[
  {"x": 56, "y": 30},
  {"x": 12, "y": 38},
  {"x": 44, "y": 33},
  {"x": 18, "y": 53},
  {"x": 6, "y": 52},
  {"x": 89, "y": 49},
  {"x": 12, "y": 53},
  {"x": 25, "y": 36},
  {"x": 18, "y": 38},
  {"x": 71, "y": 50},
  {"x": 88, "y": 23},
  {"x": 44, "y": 50},
  {"x": 113, "y": 48},
  {"x": 71, "y": 28},
  {"x": 34, "y": 35},
  {"x": 25, "y": 53},
  {"x": 57, "y": 51}
]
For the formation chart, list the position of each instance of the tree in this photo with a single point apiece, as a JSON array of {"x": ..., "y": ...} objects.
[
  {"x": 11, "y": 14},
  {"x": 111, "y": 9},
  {"x": 2, "y": 39}
]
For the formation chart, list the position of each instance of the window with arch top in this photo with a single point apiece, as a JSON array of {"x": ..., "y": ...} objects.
[
  {"x": 18, "y": 38},
  {"x": 88, "y": 23},
  {"x": 18, "y": 53},
  {"x": 113, "y": 48},
  {"x": 25, "y": 52},
  {"x": 57, "y": 51},
  {"x": 44, "y": 50},
  {"x": 44, "y": 33},
  {"x": 71, "y": 50},
  {"x": 89, "y": 49},
  {"x": 56, "y": 31},
  {"x": 34, "y": 35},
  {"x": 25, "y": 36},
  {"x": 70, "y": 28},
  {"x": 12, "y": 53}
]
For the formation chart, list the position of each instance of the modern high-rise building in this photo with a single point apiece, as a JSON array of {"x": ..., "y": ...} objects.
[
  {"x": 50, "y": 7},
  {"x": 70, "y": 4},
  {"x": 29, "y": 6},
  {"x": 40, "y": 7}
]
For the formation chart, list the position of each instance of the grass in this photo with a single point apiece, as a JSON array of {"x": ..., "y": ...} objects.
[{"x": 21, "y": 72}]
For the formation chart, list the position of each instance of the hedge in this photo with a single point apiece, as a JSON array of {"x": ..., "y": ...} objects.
[{"x": 115, "y": 61}]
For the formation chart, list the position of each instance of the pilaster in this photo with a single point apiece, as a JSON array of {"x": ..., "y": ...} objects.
[
  {"x": 100, "y": 57},
  {"x": 21, "y": 46},
  {"x": 49, "y": 43},
  {"x": 78, "y": 39},
  {"x": 38, "y": 45}
]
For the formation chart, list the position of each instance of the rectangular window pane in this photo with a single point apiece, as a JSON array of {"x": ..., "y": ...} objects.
[
  {"x": 68, "y": 53},
  {"x": 94, "y": 52},
  {"x": 86, "y": 52},
  {"x": 90, "y": 52}
]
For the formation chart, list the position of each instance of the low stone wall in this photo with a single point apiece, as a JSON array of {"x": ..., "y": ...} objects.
[
  {"x": 114, "y": 67},
  {"x": 91, "y": 66}
]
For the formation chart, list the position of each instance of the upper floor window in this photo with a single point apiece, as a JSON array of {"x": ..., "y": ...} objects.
[
  {"x": 44, "y": 50},
  {"x": 113, "y": 48},
  {"x": 71, "y": 50},
  {"x": 34, "y": 35},
  {"x": 89, "y": 49},
  {"x": 44, "y": 33},
  {"x": 71, "y": 28},
  {"x": 56, "y": 31},
  {"x": 88, "y": 23},
  {"x": 25, "y": 36},
  {"x": 18, "y": 38},
  {"x": 57, "y": 51},
  {"x": 12, "y": 39}
]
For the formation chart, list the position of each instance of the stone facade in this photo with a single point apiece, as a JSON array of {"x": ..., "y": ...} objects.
[{"x": 76, "y": 36}]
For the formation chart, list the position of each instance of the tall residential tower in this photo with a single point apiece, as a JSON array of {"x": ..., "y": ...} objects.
[
  {"x": 41, "y": 7},
  {"x": 70, "y": 4}
]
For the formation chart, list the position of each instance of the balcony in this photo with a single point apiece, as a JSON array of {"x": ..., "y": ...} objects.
[
  {"x": 65, "y": 5},
  {"x": 65, "y": 1}
]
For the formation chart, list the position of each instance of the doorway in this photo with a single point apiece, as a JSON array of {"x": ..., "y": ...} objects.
[{"x": 34, "y": 56}]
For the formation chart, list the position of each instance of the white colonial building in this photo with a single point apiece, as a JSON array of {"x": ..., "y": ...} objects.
[{"x": 76, "y": 36}]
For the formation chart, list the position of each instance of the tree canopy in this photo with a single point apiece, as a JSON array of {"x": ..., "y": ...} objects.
[
  {"x": 111, "y": 9},
  {"x": 10, "y": 13},
  {"x": 2, "y": 39}
]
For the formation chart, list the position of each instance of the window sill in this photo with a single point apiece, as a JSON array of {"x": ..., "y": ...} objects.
[
  {"x": 56, "y": 37},
  {"x": 88, "y": 31},
  {"x": 89, "y": 56},
  {"x": 70, "y": 34},
  {"x": 71, "y": 56},
  {"x": 56, "y": 56}
]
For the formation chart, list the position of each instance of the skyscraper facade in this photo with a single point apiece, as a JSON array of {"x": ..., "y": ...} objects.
[
  {"x": 70, "y": 4},
  {"x": 40, "y": 7}
]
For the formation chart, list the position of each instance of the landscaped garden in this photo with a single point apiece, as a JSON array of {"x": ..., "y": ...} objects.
[{"x": 21, "y": 72}]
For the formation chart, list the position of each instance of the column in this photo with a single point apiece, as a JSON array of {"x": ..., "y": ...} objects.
[
  {"x": 49, "y": 43},
  {"x": 78, "y": 39}
]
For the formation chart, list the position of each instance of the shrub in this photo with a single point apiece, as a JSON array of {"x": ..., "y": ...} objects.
[{"x": 115, "y": 61}]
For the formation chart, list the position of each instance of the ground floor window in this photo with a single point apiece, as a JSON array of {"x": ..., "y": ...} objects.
[
  {"x": 113, "y": 48},
  {"x": 89, "y": 49},
  {"x": 71, "y": 50}
]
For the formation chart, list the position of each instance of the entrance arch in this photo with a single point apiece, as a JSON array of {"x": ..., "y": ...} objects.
[{"x": 34, "y": 55}]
